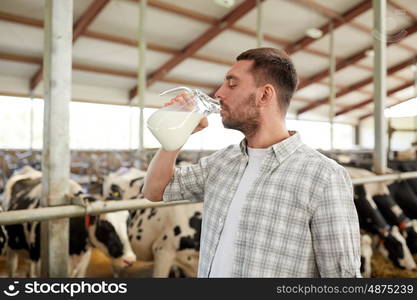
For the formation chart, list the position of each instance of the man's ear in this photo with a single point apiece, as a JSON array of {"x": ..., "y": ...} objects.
[{"x": 267, "y": 94}]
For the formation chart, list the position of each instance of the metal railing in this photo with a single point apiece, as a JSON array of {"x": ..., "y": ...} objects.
[
  {"x": 95, "y": 208},
  {"x": 68, "y": 211},
  {"x": 386, "y": 177}
]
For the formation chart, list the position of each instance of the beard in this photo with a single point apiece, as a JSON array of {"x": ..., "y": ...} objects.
[{"x": 246, "y": 117}]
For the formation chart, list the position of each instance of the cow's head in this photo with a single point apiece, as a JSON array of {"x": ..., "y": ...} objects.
[
  {"x": 124, "y": 184},
  {"x": 410, "y": 234},
  {"x": 108, "y": 232},
  {"x": 394, "y": 248},
  {"x": 366, "y": 255}
]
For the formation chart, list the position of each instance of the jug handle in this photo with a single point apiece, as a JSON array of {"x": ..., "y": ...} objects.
[{"x": 180, "y": 88}]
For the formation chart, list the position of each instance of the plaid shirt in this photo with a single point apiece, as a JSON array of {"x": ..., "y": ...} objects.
[{"x": 298, "y": 219}]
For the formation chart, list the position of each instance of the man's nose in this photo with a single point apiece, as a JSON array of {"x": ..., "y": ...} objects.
[{"x": 218, "y": 93}]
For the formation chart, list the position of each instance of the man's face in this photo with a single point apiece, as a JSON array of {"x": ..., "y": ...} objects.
[{"x": 238, "y": 99}]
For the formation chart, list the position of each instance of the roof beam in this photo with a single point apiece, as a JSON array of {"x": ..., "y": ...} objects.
[
  {"x": 181, "y": 11},
  {"x": 354, "y": 87},
  {"x": 154, "y": 47},
  {"x": 353, "y": 58},
  {"x": 322, "y": 9},
  {"x": 118, "y": 40},
  {"x": 88, "y": 17},
  {"x": 133, "y": 75},
  {"x": 21, "y": 20},
  {"x": 389, "y": 106},
  {"x": 20, "y": 58},
  {"x": 370, "y": 69},
  {"x": 103, "y": 70},
  {"x": 203, "y": 18},
  {"x": 340, "y": 65},
  {"x": 339, "y": 86},
  {"x": 370, "y": 100},
  {"x": 211, "y": 20},
  {"x": 79, "y": 27},
  {"x": 133, "y": 43},
  {"x": 329, "y": 13},
  {"x": 403, "y": 8},
  {"x": 85, "y": 100},
  {"x": 112, "y": 72},
  {"x": 220, "y": 26},
  {"x": 337, "y": 22}
]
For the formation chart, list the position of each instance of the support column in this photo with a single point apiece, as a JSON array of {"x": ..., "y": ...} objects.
[
  {"x": 259, "y": 24},
  {"x": 32, "y": 108},
  {"x": 332, "y": 90},
  {"x": 380, "y": 74},
  {"x": 357, "y": 139},
  {"x": 415, "y": 95},
  {"x": 56, "y": 153},
  {"x": 142, "y": 68}
]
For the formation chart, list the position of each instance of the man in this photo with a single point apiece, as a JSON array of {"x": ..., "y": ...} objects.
[{"x": 273, "y": 207}]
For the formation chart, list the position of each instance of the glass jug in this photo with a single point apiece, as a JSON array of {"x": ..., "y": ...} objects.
[{"x": 173, "y": 124}]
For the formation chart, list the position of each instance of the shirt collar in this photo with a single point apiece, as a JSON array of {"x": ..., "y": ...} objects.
[{"x": 282, "y": 149}]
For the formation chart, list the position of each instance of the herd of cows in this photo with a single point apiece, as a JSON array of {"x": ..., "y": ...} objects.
[{"x": 170, "y": 236}]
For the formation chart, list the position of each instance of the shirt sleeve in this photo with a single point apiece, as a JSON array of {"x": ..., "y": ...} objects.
[
  {"x": 187, "y": 183},
  {"x": 335, "y": 229}
]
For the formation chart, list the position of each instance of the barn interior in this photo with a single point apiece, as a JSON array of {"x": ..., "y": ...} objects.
[{"x": 85, "y": 103}]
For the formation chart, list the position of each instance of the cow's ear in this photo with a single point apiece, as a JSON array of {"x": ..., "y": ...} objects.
[
  {"x": 133, "y": 181},
  {"x": 24, "y": 185}
]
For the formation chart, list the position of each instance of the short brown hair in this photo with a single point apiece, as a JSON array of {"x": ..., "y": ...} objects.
[{"x": 273, "y": 66}]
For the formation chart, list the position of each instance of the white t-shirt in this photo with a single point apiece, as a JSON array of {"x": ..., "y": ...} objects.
[{"x": 223, "y": 258}]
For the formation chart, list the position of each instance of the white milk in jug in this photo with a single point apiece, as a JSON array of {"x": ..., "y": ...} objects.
[{"x": 172, "y": 128}]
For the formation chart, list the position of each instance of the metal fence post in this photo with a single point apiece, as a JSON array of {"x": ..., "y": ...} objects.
[
  {"x": 56, "y": 153},
  {"x": 380, "y": 92}
]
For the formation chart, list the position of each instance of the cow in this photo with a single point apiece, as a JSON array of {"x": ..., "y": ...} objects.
[
  {"x": 24, "y": 192},
  {"x": 22, "y": 181},
  {"x": 394, "y": 215},
  {"x": 389, "y": 208},
  {"x": 405, "y": 197},
  {"x": 366, "y": 255},
  {"x": 392, "y": 244},
  {"x": 411, "y": 183},
  {"x": 170, "y": 236},
  {"x": 410, "y": 166}
]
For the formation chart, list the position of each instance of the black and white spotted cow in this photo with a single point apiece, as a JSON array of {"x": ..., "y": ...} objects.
[
  {"x": 169, "y": 236},
  {"x": 391, "y": 244},
  {"x": 25, "y": 192},
  {"x": 389, "y": 208},
  {"x": 405, "y": 191},
  {"x": 405, "y": 197},
  {"x": 395, "y": 216}
]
